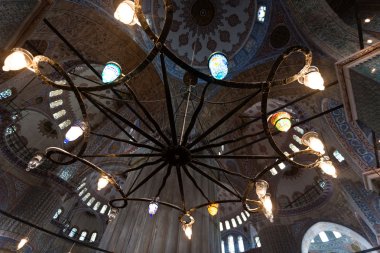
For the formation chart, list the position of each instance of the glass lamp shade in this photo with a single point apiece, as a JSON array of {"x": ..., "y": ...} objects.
[
  {"x": 112, "y": 214},
  {"x": 75, "y": 132},
  {"x": 218, "y": 65},
  {"x": 153, "y": 207},
  {"x": 267, "y": 207},
  {"x": 313, "y": 79},
  {"x": 281, "y": 121},
  {"x": 17, "y": 60},
  {"x": 328, "y": 168},
  {"x": 188, "y": 229},
  {"x": 213, "y": 209},
  {"x": 102, "y": 182},
  {"x": 22, "y": 243},
  {"x": 125, "y": 13},
  {"x": 111, "y": 72},
  {"x": 261, "y": 188},
  {"x": 36, "y": 161},
  {"x": 311, "y": 139}
]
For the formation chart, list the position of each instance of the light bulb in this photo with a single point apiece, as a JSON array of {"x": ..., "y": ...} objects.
[
  {"x": 367, "y": 20},
  {"x": 311, "y": 139},
  {"x": 17, "y": 60},
  {"x": 125, "y": 13},
  {"x": 313, "y": 79},
  {"x": 75, "y": 132},
  {"x": 328, "y": 168},
  {"x": 261, "y": 188},
  {"x": 36, "y": 161},
  {"x": 188, "y": 230},
  {"x": 213, "y": 209},
  {"x": 102, "y": 182},
  {"x": 267, "y": 203},
  {"x": 153, "y": 207},
  {"x": 22, "y": 243}
]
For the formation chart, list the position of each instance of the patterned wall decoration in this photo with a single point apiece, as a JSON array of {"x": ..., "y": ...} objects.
[{"x": 350, "y": 136}]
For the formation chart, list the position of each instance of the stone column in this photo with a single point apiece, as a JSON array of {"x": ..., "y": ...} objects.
[
  {"x": 135, "y": 231},
  {"x": 277, "y": 239}
]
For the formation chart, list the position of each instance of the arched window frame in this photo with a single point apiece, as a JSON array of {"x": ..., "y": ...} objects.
[
  {"x": 83, "y": 235},
  {"x": 93, "y": 237},
  {"x": 73, "y": 232}
]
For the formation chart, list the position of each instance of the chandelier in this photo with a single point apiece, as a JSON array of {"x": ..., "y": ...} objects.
[{"x": 179, "y": 152}]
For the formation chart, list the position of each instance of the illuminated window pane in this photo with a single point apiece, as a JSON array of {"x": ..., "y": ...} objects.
[
  {"x": 247, "y": 213},
  {"x": 83, "y": 236},
  {"x": 10, "y": 130},
  {"x": 73, "y": 232},
  {"x": 273, "y": 171},
  {"x": 338, "y": 156},
  {"x": 57, "y": 214},
  {"x": 96, "y": 206},
  {"x": 231, "y": 244},
  {"x": 243, "y": 216},
  {"x": 81, "y": 186},
  {"x": 298, "y": 129},
  {"x": 82, "y": 192},
  {"x": 223, "y": 249},
  {"x": 227, "y": 223},
  {"x": 312, "y": 241},
  {"x": 261, "y": 13},
  {"x": 287, "y": 154},
  {"x": 221, "y": 226},
  {"x": 5, "y": 94},
  {"x": 55, "y": 93},
  {"x": 258, "y": 243},
  {"x": 59, "y": 114},
  {"x": 297, "y": 139},
  {"x": 241, "y": 244},
  {"x": 65, "y": 124},
  {"x": 337, "y": 234},
  {"x": 239, "y": 220},
  {"x": 323, "y": 237},
  {"x": 56, "y": 103},
  {"x": 233, "y": 223},
  {"x": 281, "y": 166},
  {"x": 104, "y": 209},
  {"x": 86, "y": 196},
  {"x": 91, "y": 201},
  {"x": 293, "y": 147},
  {"x": 93, "y": 237}
]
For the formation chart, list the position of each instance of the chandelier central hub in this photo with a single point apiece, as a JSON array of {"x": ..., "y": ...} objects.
[
  {"x": 203, "y": 12},
  {"x": 177, "y": 155}
]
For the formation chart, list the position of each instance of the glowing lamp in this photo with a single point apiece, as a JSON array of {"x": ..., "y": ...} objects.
[
  {"x": 218, "y": 65},
  {"x": 125, "y": 13},
  {"x": 153, "y": 207},
  {"x": 328, "y": 168},
  {"x": 313, "y": 79},
  {"x": 281, "y": 121},
  {"x": 213, "y": 209},
  {"x": 187, "y": 225},
  {"x": 261, "y": 188},
  {"x": 22, "y": 243},
  {"x": 112, "y": 214},
  {"x": 111, "y": 72},
  {"x": 17, "y": 60},
  {"x": 311, "y": 139},
  {"x": 36, "y": 161},
  {"x": 75, "y": 132},
  {"x": 268, "y": 207},
  {"x": 102, "y": 182}
]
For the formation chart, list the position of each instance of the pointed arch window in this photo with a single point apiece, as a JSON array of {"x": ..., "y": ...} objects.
[
  {"x": 82, "y": 192},
  {"x": 96, "y": 206},
  {"x": 220, "y": 226},
  {"x": 59, "y": 114},
  {"x": 65, "y": 124},
  {"x": 223, "y": 249},
  {"x": 55, "y": 93},
  {"x": 231, "y": 244},
  {"x": 293, "y": 147},
  {"x": 56, "y": 103},
  {"x": 239, "y": 220},
  {"x": 93, "y": 237},
  {"x": 86, "y": 196},
  {"x": 81, "y": 186},
  {"x": 233, "y": 221},
  {"x": 104, "y": 209},
  {"x": 227, "y": 223},
  {"x": 83, "y": 236},
  {"x": 241, "y": 244},
  {"x": 91, "y": 201},
  {"x": 57, "y": 214},
  {"x": 73, "y": 232}
]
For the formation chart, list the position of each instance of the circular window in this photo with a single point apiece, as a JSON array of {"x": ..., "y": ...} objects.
[{"x": 280, "y": 36}]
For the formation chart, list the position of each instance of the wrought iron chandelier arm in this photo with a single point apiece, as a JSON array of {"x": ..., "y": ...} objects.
[
  {"x": 141, "y": 166},
  {"x": 168, "y": 172},
  {"x": 136, "y": 144},
  {"x": 195, "y": 115},
  {"x": 214, "y": 145},
  {"x": 252, "y": 157},
  {"x": 112, "y": 202},
  {"x": 180, "y": 185},
  {"x": 221, "y": 169},
  {"x": 147, "y": 178},
  {"x": 147, "y": 114},
  {"x": 223, "y": 119},
  {"x": 53, "y": 150},
  {"x": 123, "y": 155},
  {"x": 35, "y": 66},
  {"x": 168, "y": 97},
  {"x": 124, "y": 120},
  {"x": 195, "y": 183},
  {"x": 213, "y": 180}
]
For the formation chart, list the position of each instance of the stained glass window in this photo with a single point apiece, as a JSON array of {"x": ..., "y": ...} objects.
[
  {"x": 104, "y": 209},
  {"x": 218, "y": 65},
  {"x": 243, "y": 216},
  {"x": 82, "y": 192},
  {"x": 338, "y": 156},
  {"x": 81, "y": 186},
  {"x": 297, "y": 139},
  {"x": 55, "y": 93},
  {"x": 83, "y": 236},
  {"x": 293, "y": 147},
  {"x": 86, "y": 196},
  {"x": 227, "y": 223},
  {"x": 239, "y": 220},
  {"x": 273, "y": 171},
  {"x": 56, "y": 103},
  {"x": 57, "y": 214},
  {"x": 258, "y": 243},
  {"x": 337, "y": 234},
  {"x": 10, "y": 130},
  {"x": 261, "y": 13},
  {"x": 298, "y": 129},
  {"x": 59, "y": 114},
  {"x": 65, "y": 124},
  {"x": 73, "y": 232},
  {"x": 5, "y": 94},
  {"x": 223, "y": 249},
  {"x": 323, "y": 237},
  {"x": 233, "y": 221},
  {"x": 96, "y": 206},
  {"x": 231, "y": 244},
  {"x": 93, "y": 237},
  {"x": 91, "y": 201},
  {"x": 241, "y": 244},
  {"x": 221, "y": 226}
]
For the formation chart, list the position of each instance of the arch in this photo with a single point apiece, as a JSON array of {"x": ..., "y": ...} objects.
[{"x": 315, "y": 229}]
